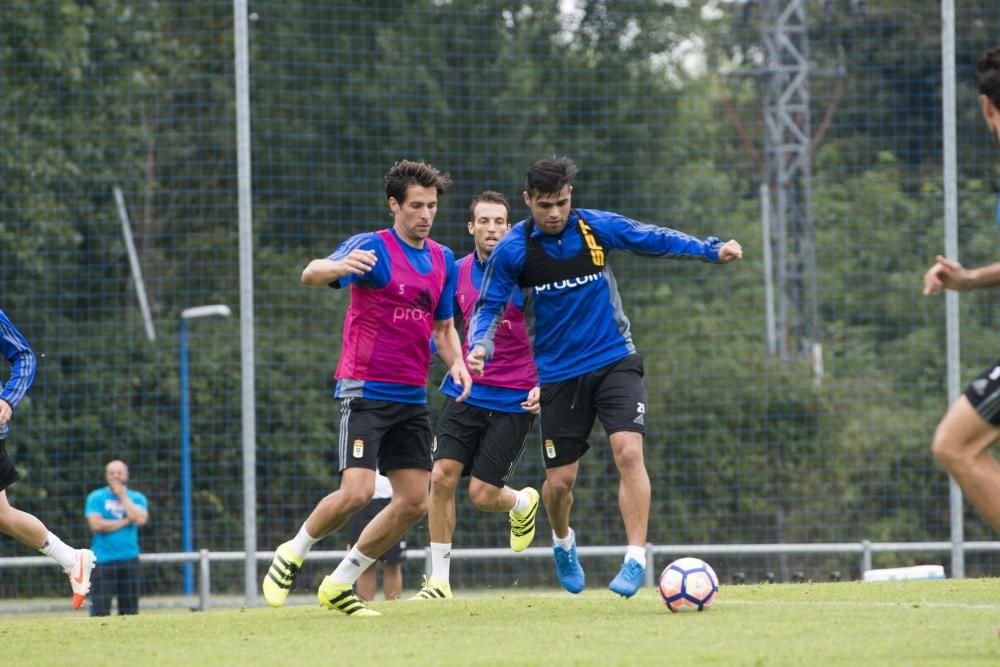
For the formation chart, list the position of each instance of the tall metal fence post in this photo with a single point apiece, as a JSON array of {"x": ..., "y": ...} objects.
[
  {"x": 247, "y": 371},
  {"x": 950, "y": 177}
]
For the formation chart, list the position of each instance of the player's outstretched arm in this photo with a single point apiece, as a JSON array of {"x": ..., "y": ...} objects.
[
  {"x": 617, "y": 231},
  {"x": 949, "y": 274},
  {"x": 322, "y": 272}
]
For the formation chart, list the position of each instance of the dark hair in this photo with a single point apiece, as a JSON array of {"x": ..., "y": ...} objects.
[
  {"x": 549, "y": 175},
  {"x": 407, "y": 172},
  {"x": 490, "y": 197},
  {"x": 988, "y": 75}
]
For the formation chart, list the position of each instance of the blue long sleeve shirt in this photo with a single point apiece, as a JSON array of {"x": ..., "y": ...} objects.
[
  {"x": 579, "y": 322},
  {"x": 18, "y": 354}
]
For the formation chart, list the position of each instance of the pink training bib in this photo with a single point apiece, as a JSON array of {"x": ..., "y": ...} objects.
[{"x": 386, "y": 331}]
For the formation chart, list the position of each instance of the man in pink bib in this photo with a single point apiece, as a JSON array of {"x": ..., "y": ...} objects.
[
  {"x": 483, "y": 437},
  {"x": 402, "y": 289}
]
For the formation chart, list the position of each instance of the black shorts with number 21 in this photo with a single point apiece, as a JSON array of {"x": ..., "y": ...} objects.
[{"x": 615, "y": 394}]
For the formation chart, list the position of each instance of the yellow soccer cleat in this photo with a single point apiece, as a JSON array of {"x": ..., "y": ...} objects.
[
  {"x": 342, "y": 598},
  {"x": 522, "y": 525},
  {"x": 281, "y": 575},
  {"x": 433, "y": 590}
]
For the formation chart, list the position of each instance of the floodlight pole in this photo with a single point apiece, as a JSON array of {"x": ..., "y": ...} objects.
[
  {"x": 950, "y": 178},
  {"x": 187, "y": 537}
]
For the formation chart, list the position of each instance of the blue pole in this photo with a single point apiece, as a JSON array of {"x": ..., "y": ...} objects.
[{"x": 186, "y": 522}]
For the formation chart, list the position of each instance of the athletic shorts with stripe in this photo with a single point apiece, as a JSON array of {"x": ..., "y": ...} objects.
[
  {"x": 384, "y": 435},
  {"x": 488, "y": 443},
  {"x": 615, "y": 394},
  {"x": 984, "y": 394}
]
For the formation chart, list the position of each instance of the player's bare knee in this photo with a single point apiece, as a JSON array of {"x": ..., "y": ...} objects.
[
  {"x": 442, "y": 481},
  {"x": 951, "y": 452},
  {"x": 355, "y": 499},
  {"x": 558, "y": 486},
  {"x": 630, "y": 459},
  {"x": 484, "y": 496},
  {"x": 413, "y": 509}
]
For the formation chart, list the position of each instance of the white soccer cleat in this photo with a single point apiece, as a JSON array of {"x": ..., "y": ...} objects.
[{"x": 79, "y": 575}]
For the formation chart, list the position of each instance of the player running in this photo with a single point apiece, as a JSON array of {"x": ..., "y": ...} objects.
[
  {"x": 483, "y": 437},
  {"x": 402, "y": 289},
  {"x": 587, "y": 363},
  {"x": 971, "y": 428},
  {"x": 26, "y": 528}
]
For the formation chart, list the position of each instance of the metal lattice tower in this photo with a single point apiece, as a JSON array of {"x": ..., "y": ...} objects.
[{"x": 793, "y": 328}]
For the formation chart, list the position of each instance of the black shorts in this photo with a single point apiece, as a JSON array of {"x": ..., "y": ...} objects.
[
  {"x": 384, "y": 434},
  {"x": 488, "y": 442},
  {"x": 362, "y": 518},
  {"x": 8, "y": 473},
  {"x": 984, "y": 394},
  {"x": 615, "y": 394}
]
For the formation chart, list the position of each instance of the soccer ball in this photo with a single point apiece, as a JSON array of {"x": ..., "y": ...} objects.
[{"x": 688, "y": 584}]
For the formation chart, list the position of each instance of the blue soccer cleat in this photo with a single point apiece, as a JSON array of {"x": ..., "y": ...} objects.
[
  {"x": 629, "y": 579},
  {"x": 568, "y": 568}
]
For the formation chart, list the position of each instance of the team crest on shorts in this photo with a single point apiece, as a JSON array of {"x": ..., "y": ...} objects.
[
  {"x": 359, "y": 448},
  {"x": 550, "y": 448}
]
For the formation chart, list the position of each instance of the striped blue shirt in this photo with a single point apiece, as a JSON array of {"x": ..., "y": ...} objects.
[{"x": 22, "y": 366}]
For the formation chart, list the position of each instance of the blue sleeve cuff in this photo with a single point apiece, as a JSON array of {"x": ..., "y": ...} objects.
[{"x": 712, "y": 245}]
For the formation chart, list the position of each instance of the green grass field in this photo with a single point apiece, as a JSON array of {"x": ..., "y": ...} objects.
[{"x": 904, "y": 623}]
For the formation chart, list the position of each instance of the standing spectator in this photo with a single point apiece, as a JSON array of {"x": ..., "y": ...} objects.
[
  {"x": 114, "y": 514},
  {"x": 23, "y": 527}
]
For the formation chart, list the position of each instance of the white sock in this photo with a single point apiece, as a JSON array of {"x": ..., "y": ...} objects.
[
  {"x": 522, "y": 503},
  {"x": 303, "y": 542},
  {"x": 441, "y": 562},
  {"x": 564, "y": 542},
  {"x": 638, "y": 554},
  {"x": 351, "y": 567},
  {"x": 59, "y": 551}
]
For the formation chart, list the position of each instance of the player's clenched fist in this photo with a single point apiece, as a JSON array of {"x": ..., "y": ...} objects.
[
  {"x": 359, "y": 262},
  {"x": 730, "y": 251}
]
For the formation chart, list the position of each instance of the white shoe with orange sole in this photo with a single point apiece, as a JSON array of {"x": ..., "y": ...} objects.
[{"x": 79, "y": 575}]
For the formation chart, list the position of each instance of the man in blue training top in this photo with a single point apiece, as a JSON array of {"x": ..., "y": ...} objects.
[
  {"x": 114, "y": 515},
  {"x": 587, "y": 364}
]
